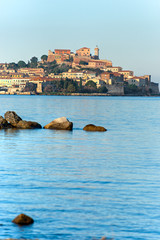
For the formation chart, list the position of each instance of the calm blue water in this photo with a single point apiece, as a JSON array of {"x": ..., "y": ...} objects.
[{"x": 82, "y": 185}]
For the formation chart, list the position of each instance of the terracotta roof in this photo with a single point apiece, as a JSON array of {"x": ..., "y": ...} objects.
[
  {"x": 126, "y": 71},
  {"x": 62, "y": 50},
  {"x": 115, "y": 67},
  {"x": 116, "y": 74}
]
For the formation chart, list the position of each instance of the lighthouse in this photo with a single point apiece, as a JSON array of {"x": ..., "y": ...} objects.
[{"x": 96, "y": 52}]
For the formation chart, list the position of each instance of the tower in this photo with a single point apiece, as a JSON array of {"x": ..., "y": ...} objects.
[{"x": 96, "y": 52}]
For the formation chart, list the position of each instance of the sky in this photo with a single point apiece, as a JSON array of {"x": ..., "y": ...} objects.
[{"x": 127, "y": 32}]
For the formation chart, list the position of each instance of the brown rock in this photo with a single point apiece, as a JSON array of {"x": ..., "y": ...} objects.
[
  {"x": 23, "y": 219},
  {"x": 12, "y": 118},
  {"x": 28, "y": 125},
  {"x": 93, "y": 128},
  {"x": 4, "y": 124},
  {"x": 60, "y": 124}
]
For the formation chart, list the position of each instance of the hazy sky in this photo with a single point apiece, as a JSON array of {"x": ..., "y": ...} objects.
[{"x": 126, "y": 31}]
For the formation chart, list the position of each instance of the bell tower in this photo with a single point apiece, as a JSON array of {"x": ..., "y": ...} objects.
[{"x": 96, "y": 52}]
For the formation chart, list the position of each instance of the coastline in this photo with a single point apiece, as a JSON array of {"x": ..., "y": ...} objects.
[{"x": 83, "y": 94}]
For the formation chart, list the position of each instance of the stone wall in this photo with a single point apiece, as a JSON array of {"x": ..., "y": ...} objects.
[{"x": 116, "y": 89}]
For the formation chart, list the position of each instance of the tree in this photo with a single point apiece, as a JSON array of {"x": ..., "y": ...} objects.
[
  {"x": 13, "y": 65},
  {"x": 91, "y": 84},
  {"x": 44, "y": 57},
  {"x": 33, "y": 62},
  {"x": 49, "y": 88},
  {"x": 71, "y": 88},
  {"x": 30, "y": 87},
  {"x": 21, "y": 64},
  {"x": 103, "y": 89}
]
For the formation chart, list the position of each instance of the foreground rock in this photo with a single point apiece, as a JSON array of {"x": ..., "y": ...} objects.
[
  {"x": 93, "y": 128},
  {"x": 12, "y": 118},
  {"x": 60, "y": 124},
  {"x": 105, "y": 238},
  {"x": 28, "y": 125},
  {"x": 23, "y": 219},
  {"x": 16, "y": 122},
  {"x": 4, "y": 124}
]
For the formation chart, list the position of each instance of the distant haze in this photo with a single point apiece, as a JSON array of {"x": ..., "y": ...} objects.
[{"x": 126, "y": 31}]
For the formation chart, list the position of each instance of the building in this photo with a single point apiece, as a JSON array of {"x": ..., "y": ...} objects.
[
  {"x": 112, "y": 77},
  {"x": 83, "y": 52},
  {"x": 32, "y": 71},
  {"x": 99, "y": 63},
  {"x": 62, "y": 51},
  {"x": 60, "y": 55},
  {"x": 72, "y": 74},
  {"x": 138, "y": 81},
  {"x": 98, "y": 81},
  {"x": 127, "y": 74},
  {"x": 9, "y": 81},
  {"x": 96, "y": 52},
  {"x": 114, "y": 69}
]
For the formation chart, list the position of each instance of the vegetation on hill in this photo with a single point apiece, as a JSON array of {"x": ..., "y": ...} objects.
[{"x": 71, "y": 86}]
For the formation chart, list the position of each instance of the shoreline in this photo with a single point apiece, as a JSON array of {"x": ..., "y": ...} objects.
[{"x": 82, "y": 94}]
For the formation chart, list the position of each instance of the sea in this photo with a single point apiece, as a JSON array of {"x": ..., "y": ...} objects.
[{"x": 80, "y": 185}]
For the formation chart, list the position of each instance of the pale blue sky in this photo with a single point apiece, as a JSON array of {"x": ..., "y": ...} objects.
[{"x": 126, "y": 31}]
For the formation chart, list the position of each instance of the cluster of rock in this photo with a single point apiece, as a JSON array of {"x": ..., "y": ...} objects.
[{"x": 12, "y": 120}]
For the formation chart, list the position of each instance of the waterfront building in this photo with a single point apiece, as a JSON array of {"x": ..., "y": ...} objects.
[
  {"x": 9, "y": 81},
  {"x": 111, "y": 77},
  {"x": 138, "y": 81}
]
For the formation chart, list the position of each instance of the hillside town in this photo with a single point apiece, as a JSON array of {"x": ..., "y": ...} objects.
[{"x": 65, "y": 72}]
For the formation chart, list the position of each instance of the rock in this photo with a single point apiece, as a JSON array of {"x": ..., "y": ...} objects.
[
  {"x": 4, "y": 124},
  {"x": 23, "y": 219},
  {"x": 12, "y": 118},
  {"x": 105, "y": 238},
  {"x": 91, "y": 127},
  {"x": 28, "y": 125},
  {"x": 17, "y": 122},
  {"x": 60, "y": 124}
]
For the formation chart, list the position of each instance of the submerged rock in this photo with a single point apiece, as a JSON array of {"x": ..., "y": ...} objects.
[
  {"x": 23, "y": 219},
  {"x": 12, "y": 118},
  {"x": 93, "y": 128},
  {"x": 60, "y": 124}
]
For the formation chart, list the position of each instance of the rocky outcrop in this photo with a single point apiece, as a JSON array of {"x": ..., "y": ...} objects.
[
  {"x": 60, "y": 124},
  {"x": 4, "y": 124},
  {"x": 28, "y": 125},
  {"x": 16, "y": 122},
  {"x": 93, "y": 128},
  {"x": 12, "y": 118},
  {"x": 23, "y": 219}
]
